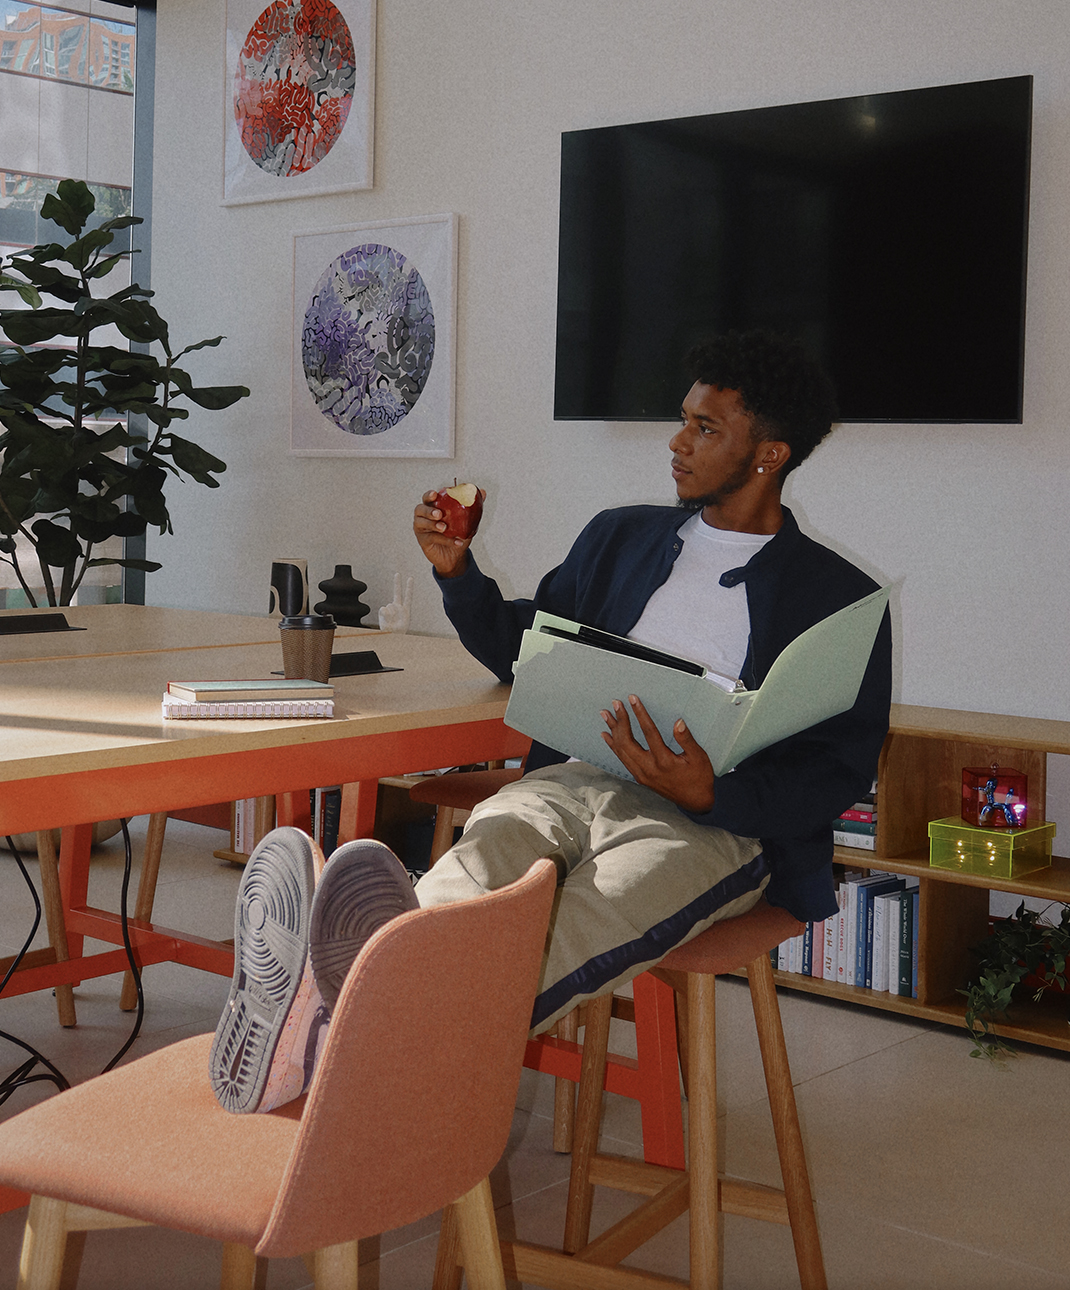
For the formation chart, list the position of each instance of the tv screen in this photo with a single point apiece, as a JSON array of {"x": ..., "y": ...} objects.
[{"x": 887, "y": 232}]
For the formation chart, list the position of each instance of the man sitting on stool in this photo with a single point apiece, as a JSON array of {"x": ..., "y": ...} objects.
[{"x": 725, "y": 578}]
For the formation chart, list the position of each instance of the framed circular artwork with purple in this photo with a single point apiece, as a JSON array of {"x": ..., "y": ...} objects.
[
  {"x": 369, "y": 339},
  {"x": 373, "y": 340}
]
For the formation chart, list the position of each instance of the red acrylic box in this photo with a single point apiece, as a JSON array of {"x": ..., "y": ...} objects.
[{"x": 994, "y": 797}]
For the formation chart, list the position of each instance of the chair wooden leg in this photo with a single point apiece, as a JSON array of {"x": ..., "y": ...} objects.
[
  {"x": 48, "y": 863},
  {"x": 588, "y": 1116},
  {"x": 448, "y": 1271},
  {"x": 706, "y": 1224},
  {"x": 480, "y": 1249},
  {"x": 565, "y": 1090},
  {"x": 44, "y": 1242},
  {"x": 146, "y": 894},
  {"x": 785, "y": 1114},
  {"x": 242, "y": 1270},
  {"x": 336, "y": 1267}
]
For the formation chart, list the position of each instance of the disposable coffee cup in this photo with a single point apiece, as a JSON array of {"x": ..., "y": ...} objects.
[{"x": 306, "y": 646}]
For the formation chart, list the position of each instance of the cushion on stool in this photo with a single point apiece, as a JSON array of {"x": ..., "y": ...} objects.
[{"x": 734, "y": 942}]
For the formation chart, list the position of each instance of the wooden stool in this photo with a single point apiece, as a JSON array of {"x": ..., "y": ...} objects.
[
  {"x": 455, "y": 795},
  {"x": 592, "y": 1265}
]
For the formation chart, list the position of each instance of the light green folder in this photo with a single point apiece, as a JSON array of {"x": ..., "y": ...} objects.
[{"x": 562, "y": 685}]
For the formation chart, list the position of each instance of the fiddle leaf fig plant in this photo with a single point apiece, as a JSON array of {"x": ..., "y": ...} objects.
[{"x": 72, "y": 473}]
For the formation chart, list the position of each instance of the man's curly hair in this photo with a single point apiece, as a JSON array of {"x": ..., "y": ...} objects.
[{"x": 781, "y": 386}]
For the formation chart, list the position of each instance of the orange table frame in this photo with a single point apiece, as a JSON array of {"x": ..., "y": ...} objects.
[{"x": 357, "y": 760}]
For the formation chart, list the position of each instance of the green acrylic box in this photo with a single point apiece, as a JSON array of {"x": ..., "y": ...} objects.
[{"x": 994, "y": 853}]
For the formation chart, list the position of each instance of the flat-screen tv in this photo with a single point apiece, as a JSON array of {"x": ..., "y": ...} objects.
[{"x": 887, "y": 232}]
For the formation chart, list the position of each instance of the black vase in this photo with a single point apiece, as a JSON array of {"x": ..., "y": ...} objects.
[{"x": 343, "y": 593}]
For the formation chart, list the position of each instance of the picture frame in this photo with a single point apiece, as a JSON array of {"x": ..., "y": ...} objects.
[
  {"x": 309, "y": 132},
  {"x": 374, "y": 336}
]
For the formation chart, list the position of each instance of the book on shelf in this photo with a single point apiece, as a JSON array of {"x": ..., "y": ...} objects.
[
  {"x": 270, "y": 689},
  {"x": 858, "y": 815},
  {"x": 845, "y": 825},
  {"x": 860, "y": 841},
  {"x": 828, "y": 967},
  {"x": 881, "y": 926},
  {"x": 915, "y": 917},
  {"x": 867, "y": 890},
  {"x": 326, "y": 805},
  {"x": 904, "y": 959},
  {"x": 175, "y": 709}
]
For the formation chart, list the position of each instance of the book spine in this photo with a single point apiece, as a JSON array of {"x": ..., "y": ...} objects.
[
  {"x": 817, "y": 949},
  {"x": 845, "y": 825},
  {"x": 915, "y": 918},
  {"x": 906, "y": 944},
  {"x": 806, "y": 966},
  {"x": 867, "y": 948},
  {"x": 854, "y": 815},
  {"x": 864, "y": 841},
  {"x": 828, "y": 967},
  {"x": 841, "y": 937},
  {"x": 332, "y": 813},
  {"x": 880, "y": 951}
]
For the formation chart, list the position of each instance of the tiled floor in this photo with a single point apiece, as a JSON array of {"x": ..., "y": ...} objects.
[{"x": 929, "y": 1169}]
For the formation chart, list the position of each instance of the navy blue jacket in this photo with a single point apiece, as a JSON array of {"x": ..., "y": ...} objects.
[{"x": 786, "y": 795}]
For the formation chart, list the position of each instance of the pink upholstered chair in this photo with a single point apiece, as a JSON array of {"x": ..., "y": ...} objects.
[{"x": 409, "y": 1109}]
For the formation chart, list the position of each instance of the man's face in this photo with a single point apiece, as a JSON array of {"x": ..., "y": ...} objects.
[{"x": 713, "y": 452}]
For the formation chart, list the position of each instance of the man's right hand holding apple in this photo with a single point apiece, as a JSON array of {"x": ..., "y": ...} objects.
[{"x": 435, "y": 525}]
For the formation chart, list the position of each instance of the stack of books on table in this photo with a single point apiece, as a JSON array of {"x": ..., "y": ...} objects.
[
  {"x": 251, "y": 700},
  {"x": 858, "y": 826},
  {"x": 871, "y": 942}
]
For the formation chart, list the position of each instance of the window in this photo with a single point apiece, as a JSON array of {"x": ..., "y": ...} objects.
[{"x": 71, "y": 66}]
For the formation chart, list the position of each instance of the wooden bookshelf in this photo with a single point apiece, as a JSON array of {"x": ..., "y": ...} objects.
[{"x": 920, "y": 779}]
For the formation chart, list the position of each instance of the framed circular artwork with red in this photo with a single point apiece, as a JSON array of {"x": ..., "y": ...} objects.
[{"x": 299, "y": 98}]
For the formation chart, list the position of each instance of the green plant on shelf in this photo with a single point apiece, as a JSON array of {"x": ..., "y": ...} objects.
[
  {"x": 1016, "y": 949},
  {"x": 66, "y": 455}
]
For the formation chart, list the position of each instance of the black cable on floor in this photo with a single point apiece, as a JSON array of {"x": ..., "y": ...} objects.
[
  {"x": 22, "y": 1075},
  {"x": 125, "y": 922}
]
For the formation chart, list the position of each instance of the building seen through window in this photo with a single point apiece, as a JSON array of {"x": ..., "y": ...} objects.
[{"x": 67, "y": 81}]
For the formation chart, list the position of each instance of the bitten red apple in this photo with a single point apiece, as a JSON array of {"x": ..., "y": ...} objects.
[{"x": 462, "y": 508}]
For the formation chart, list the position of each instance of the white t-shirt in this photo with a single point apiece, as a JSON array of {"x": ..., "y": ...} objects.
[{"x": 691, "y": 614}]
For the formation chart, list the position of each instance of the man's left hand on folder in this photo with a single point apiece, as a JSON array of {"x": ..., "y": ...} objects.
[{"x": 685, "y": 778}]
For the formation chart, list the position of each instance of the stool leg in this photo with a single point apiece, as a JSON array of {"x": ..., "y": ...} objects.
[
  {"x": 442, "y": 838},
  {"x": 565, "y": 1090},
  {"x": 48, "y": 863},
  {"x": 786, "y": 1125},
  {"x": 588, "y": 1116},
  {"x": 706, "y": 1222},
  {"x": 146, "y": 895},
  {"x": 659, "y": 1071}
]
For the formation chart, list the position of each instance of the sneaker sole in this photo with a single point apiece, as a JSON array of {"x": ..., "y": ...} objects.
[
  {"x": 364, "y": 885},
  {"x": 271, "y": 927}
]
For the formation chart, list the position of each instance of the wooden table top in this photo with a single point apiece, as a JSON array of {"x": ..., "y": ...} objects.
[
  {"x": 91, "y": 713},
  {"x": 140, "y": 629}
]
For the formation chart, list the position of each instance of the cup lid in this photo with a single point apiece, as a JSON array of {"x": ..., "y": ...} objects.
[{"x": 310, "y": 622}]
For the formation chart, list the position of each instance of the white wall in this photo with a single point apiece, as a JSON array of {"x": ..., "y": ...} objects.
[{"x": 972, "y": 522}]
